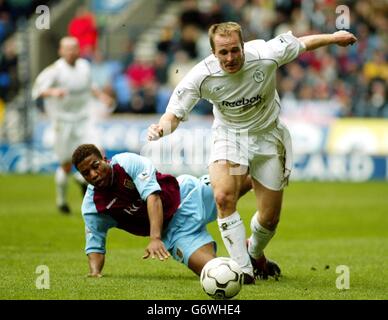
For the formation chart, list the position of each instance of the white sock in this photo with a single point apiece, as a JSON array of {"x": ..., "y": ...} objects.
[
  {"x": 61, "y": 180},
  {"x": 233, "y": 234},
  {"x": 259, "y": 238}
]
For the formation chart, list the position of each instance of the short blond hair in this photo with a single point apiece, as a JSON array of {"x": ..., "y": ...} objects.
[
  {"x": 68, "y": 41},
  {"x": 224, "y": 29}
]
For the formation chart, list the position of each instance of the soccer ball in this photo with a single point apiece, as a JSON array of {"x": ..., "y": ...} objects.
[{"x": 221, "y": 278}]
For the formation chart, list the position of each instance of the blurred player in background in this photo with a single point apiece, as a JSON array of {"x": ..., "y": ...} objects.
[
  {"x": 66, "y": 87},
  {"x": 130, "y": 194},
  {"x": 239, "y": 79}
]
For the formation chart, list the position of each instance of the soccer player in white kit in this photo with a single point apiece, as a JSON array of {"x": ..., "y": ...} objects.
[
  {"x": 66, "y": 86},
  {"x": 239, "y": 79}
]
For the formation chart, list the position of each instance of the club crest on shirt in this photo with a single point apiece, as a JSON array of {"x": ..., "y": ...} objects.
[
  {"x": 129, "y": 184},
  {"x": 258, "y": 76}
]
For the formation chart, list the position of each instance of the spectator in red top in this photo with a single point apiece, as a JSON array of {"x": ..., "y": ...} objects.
[
  {"x": 141, "y": 72},
  {"x": 83, "y": 27},
  {"x": 141, "y": 75}
]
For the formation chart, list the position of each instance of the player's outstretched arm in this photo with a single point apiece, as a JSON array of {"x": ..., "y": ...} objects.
[
  {"x": 96, "y": 263},
  {"x": 341, "y": 38},
  {"x": 167, "y": 124},
  {"x": 156, "y": 246},
  {"x": 53, "y": 92}
]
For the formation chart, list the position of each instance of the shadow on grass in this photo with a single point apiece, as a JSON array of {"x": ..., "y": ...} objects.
[{"x": 151, "y": 277}]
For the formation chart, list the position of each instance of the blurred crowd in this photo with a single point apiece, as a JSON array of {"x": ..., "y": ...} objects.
[
  {"x": 12, "y": 13},
  {"x": 354, "y": 78}
]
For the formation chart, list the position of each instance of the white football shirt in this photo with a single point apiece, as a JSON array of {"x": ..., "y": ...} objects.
[
  {"x": 76, "y": 80},
  {"x": 245, "y": 100}
]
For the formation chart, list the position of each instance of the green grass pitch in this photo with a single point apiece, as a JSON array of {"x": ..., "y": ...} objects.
[{"x": 323, "y": 225}]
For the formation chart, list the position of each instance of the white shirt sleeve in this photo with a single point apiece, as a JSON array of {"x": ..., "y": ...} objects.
[
  {"x": 283, "y": 49},
  {"x": 44, "y": 81},
  {"x": 96, "y": 230},
  {"x": 186, "y": 94}
]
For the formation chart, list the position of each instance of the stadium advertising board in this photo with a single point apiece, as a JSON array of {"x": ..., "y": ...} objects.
[
  {"x": 320, "y": 151},
  {"x": 369, "y": 136}
]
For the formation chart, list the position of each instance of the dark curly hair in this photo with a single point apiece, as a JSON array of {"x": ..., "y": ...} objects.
[{"x": 83, "y": 151}]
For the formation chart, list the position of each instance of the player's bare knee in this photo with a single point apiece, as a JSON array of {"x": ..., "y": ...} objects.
[{"x": 225, "y": 201}]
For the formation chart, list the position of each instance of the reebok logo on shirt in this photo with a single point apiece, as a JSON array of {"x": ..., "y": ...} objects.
[{"x": 243, "y": 102}]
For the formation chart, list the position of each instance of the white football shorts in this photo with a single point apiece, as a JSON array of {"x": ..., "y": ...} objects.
[
  {"x": 68, "y": 135},
  {"x": 267, "y": 154}
]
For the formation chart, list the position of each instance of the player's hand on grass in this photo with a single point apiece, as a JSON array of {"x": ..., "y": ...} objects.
[
  {"x": 156, "y": 249},
  {"x": 155, "y": 131}
]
